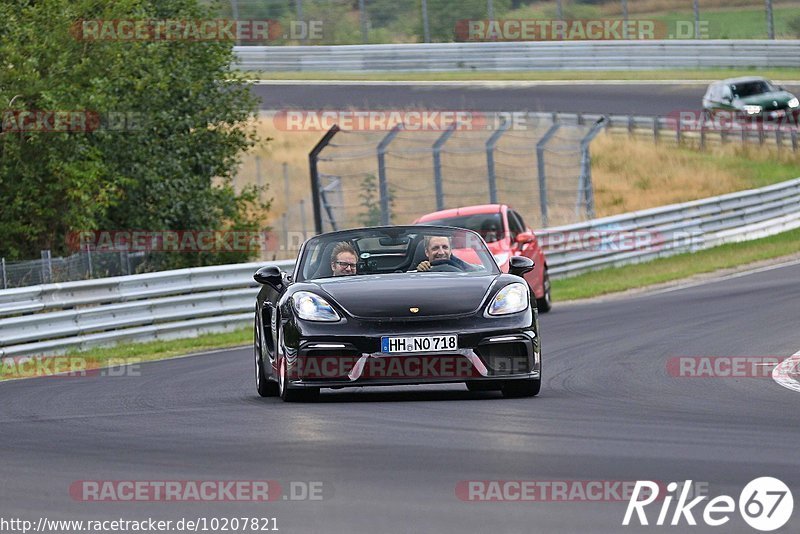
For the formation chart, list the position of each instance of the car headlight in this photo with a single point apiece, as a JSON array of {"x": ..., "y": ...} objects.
[
  {"x": 501, "y": 258},
  {"x": 511, "y": 299},
  {"x": 793, "y": 103},
  {"x": 312, "y": 307},
  {"x": 752, "y": 110}
]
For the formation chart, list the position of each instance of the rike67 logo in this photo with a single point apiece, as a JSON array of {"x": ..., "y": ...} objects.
[{"x": 765, "y": 504}]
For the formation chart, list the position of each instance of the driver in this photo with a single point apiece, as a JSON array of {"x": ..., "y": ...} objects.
[{"x": 436, "y": 248}]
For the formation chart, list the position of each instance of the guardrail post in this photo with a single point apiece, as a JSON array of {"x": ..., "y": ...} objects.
[
  {"x": 631, "y": 125},
  {"x": 760, "y": 133},
  {"x": 5, "y": 279},
  {"x": 678, "y": 123},
  {"x": 586, "y": 190},
  {"x": 490, "y": 146},
  {"x": 541, "y": 170},
  {"x": 778, "y": 138},
  {"x": 383, "y": 184},
  {"x": 437, "y": 164},
  {"x": 794, "y": 140},
  {"x": 312, "y": 164}
]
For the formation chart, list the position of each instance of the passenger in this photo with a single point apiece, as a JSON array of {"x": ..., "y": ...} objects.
[{"x": 344, "y": 259}]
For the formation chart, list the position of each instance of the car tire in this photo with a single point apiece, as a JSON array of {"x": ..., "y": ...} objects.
[
  {"x": 545, "y": 304},
  {"x": 288, "y": 394},
  {"x": 264, "y": 386},
  {"x": 480, "y": 385},
  {"x": 528, "y": 387}
]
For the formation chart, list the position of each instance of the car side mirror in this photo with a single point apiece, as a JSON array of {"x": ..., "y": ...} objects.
[
  {"x": 519, "y": 265},
  {"x": 726, "y": 98},
  {"x": 525, "y": 237},
  {"x": 269, "y": 275}
]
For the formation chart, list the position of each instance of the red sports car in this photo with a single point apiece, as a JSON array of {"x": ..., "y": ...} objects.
[{"x": 506, "y": 234}]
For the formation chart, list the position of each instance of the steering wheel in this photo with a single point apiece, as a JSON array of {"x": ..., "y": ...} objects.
[{"x": 445, "y": 266}]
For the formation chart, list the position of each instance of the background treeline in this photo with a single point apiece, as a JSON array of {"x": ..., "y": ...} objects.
[{"x": 167, "y": 165}]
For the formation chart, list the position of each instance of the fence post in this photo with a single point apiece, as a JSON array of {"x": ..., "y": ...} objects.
[
  {"x": 362, "y": 11},
  {"x": 794, "y": 140},
  {"x": 89, "y": 260},
  {"x": 540, "y": 167},
  {"x": 312, "y": 164},
  {"x": 426, "y": 30},
  {"x": 383, "y": 184},
  {"x": 5, "y": 280},
  {"x": 703, "y": 135},
  {"x": 47, "y": 275},
  {"x": 437, "y": 164},
  {"x": 490, "y": 145},
  {"x": 586, "y": 191},
  {"x": 303, "y": 217},
  {"x": 655, "y": 130},
  {"x": 285, "y": 230},
  {"x": 323, "y": 193}
]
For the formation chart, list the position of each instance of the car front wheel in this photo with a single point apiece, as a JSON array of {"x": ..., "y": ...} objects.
[{"x": 264, "y": 386}]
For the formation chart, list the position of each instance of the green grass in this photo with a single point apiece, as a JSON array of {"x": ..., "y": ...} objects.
[
  {"x": 667, "y": 74},
  {"x": 676, "y": 267},
  {"x": 733, "y": 23},
  {"x": 137, "y": 352}
]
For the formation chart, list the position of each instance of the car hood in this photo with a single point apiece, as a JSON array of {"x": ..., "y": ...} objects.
[
  {"x": 393, "y": 295},
  {"x": 768, "y": 101}
]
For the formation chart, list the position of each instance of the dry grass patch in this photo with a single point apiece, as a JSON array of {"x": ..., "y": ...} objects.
[{"x": 633, "y": 174}]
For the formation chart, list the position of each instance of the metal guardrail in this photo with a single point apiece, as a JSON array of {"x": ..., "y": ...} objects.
[
  {"x": 648, "y": 234},
  {"x": 53, "y": 318},
  {"x": 531, "y": 55}
]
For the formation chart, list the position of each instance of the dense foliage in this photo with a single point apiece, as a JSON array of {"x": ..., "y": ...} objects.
[{"x": 173, "y": 121}]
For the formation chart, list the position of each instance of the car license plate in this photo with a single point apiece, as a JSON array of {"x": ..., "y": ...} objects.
[{"x": 436, "y": 343}]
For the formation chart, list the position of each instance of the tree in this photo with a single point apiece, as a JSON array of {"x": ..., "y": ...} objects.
[
  {"x": 173, "y": 122},
  {"x": 370, "y": 202}
]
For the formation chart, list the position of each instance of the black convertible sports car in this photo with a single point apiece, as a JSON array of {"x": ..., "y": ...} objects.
[{"x": 396, "y": 305}]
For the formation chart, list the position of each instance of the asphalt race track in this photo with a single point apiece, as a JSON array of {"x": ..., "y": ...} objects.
[
  {"x": 390, "y": 460},
  {"x": 583, "y": 97}
]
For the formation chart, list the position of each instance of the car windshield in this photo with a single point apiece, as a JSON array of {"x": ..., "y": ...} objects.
[
  {"x": 743, "y": 90},
  {"x": 488, "y": 225},
  {"x": 397, "y": 249}
]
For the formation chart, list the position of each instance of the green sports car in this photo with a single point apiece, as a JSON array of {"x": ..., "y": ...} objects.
[{"x": 750, "y": 96}]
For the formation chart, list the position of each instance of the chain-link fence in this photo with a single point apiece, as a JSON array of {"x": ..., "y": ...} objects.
[
  {"x": 79, "y": 266},
  {"x": 539, "y": 166}
]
